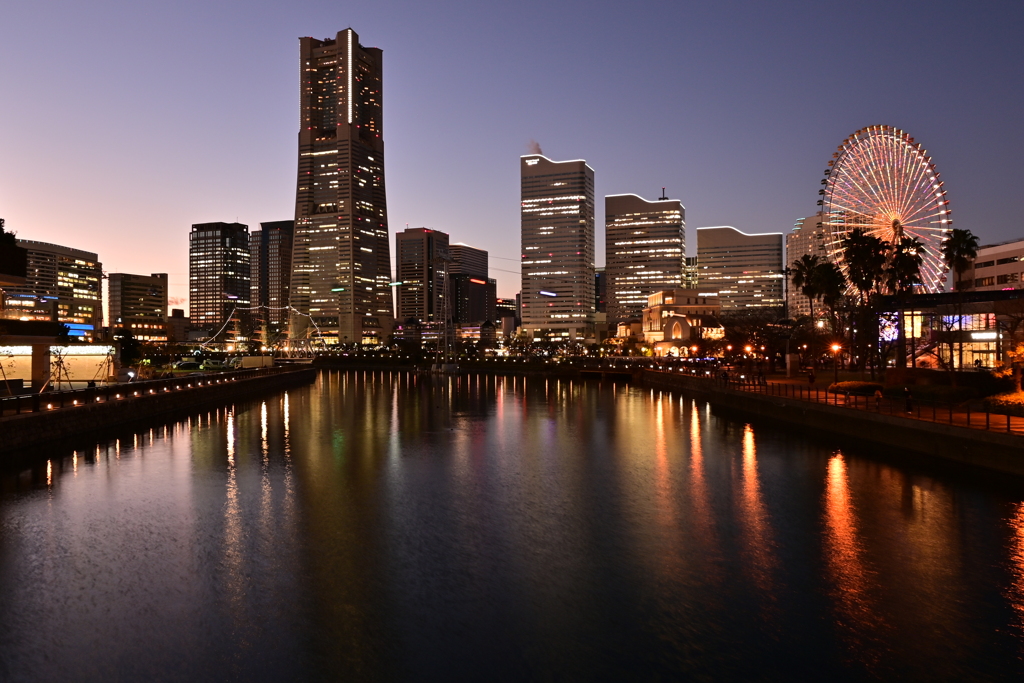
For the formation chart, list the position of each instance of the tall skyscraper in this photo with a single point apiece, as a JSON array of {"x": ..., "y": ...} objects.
[
  {"x": 645, "y": 251},
  {"x": 138, "y": 303},
  {"x": 467, "y": 260},
  {"x": 218, "y": 276},
  {"x": 341, "y": 260},
  {"x": 557, "y": 247},
  {"x": 807, "y": 237},
  {"x": 744, "y": 271},
  {"x": 422, "y": 268},
  {"x": 270, "y": 259},
  {"x": 74, "y": 276}
]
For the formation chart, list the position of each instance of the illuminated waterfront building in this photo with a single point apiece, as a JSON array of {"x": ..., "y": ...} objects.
[
  {"x": 557, "y": 247},
  {"x": 743, "y": 271},
  {"x": 341, "y": 260},
  {"x": 645, "y": 244},
  {"x": 807, "y": 238},
  {"x": 73, "y": 276},
  {"x": 219, "y": 277},
  {"x": 676, "y": 320},
  {"x": 423, "y": 260},
  {"x": 270, "y": 265},
  {"x": 138, "y": 304}
]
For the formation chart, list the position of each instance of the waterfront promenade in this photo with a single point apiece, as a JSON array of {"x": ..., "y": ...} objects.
[
  {"x": 940, "y": 430},
  {"x": 29, "y": 420}
]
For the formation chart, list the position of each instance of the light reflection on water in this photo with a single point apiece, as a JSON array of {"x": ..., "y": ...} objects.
[{"x": 385, "y": 526}]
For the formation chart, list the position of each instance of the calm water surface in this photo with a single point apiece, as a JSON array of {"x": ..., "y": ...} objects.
[{"x": 384, "y": 526}]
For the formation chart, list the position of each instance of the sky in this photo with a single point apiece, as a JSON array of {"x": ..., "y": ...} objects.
[{"x": 123, "y": 123}]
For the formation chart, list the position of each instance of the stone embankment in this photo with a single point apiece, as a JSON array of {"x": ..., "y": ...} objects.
[
  {"x": 35, "y": 420},
  {"x": 988, "y": 447}
]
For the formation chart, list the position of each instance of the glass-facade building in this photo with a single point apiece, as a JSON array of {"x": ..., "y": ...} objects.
[
  {"x": 341, "y": 260},
  {"x": 219, "y": 282},
  {"x": 270, "y": 259},
  {"x": 74, "y": 277},
  {"x": 645, "y": 251},
  {"x": 557, "y": 218}
]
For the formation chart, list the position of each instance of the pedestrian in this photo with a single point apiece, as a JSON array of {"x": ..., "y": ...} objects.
[
  {"x": 810, "y": 376},
  {"x": 878, "y": 400},
  {"x": 908, "y": 399}
]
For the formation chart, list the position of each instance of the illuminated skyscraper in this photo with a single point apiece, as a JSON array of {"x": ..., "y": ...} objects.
[
  {"x": 341, "y": 261},
  {"x": 219, "y": 277},
  {"x": 744, "y": 271},
  {"x": 270, "y": 250},
  {"x": 422, "y": 268},
  {"x": 557, "y": 247},
  {"x": 645, "y": 244}
]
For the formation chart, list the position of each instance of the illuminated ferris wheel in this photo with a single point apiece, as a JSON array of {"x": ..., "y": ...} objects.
[{"x": 884, "y": 182}]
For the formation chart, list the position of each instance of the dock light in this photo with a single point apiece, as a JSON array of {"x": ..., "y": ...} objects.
[{"x": 49, "y": 406}]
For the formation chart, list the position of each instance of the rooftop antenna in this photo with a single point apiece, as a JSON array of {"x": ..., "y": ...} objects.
[{"x": 663, "y": 197}]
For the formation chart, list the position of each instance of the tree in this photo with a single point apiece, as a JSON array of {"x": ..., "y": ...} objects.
[
  {"x": 902, "y": 272},
  {"x": 959, "y": 250},
  {"x": 831, "y": 284},
  {"x": 865, "y": 258},
  {"x": 804, "y": 269}
]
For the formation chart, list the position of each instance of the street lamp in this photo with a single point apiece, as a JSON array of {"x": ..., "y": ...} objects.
[{"x": 835, "y": 360}]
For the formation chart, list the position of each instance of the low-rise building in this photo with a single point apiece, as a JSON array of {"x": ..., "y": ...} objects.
[
  {"x": 997, "y": 267},
  {"x": 676, "y": 319}
]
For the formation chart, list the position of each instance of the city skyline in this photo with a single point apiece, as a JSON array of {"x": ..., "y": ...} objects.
[{"x": 727, "y": 121}]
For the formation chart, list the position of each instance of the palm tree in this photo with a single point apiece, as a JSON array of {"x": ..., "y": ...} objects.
[
  {"x": 831, "y": 284},
  {"x": 959, "y": 250},
  {"x": 804, "y": 269},
  {"x": 865, "y": 261},
  {"x": 865, "y": 257},
  {"x": 902, "y": 272}
]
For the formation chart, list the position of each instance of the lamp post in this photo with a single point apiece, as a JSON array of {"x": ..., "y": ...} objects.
[{"x": 835, "y": 361}]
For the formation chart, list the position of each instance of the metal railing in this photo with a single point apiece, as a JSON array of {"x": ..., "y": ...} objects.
[
  {"x": 127, "y": 391},
  {"x": 939, "y": 412}
]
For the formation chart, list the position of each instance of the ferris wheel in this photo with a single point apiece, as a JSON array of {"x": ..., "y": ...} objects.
[{"x": 882, "y": 181}]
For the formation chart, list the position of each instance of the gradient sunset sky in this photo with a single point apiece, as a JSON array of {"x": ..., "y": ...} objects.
[{"x": 122, "y": 123}]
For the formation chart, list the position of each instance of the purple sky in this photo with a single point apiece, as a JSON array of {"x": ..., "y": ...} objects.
[{"x": 122, "y": 123}]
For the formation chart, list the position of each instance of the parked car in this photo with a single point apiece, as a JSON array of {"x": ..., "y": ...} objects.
[
  {"x": 211, "y": 364},
  {"x": 186, "y": 365}
]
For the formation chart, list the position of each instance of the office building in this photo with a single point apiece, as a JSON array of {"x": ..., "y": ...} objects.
[
  {"x": 743, "y": 271},
  {"x": 600, "y": 290},
  {"x": 557, "y": 247},
  {"x": 473, "y": 299},
  {"x": 423, "y": 258},
  {"x": 270, "y": 265},
  {"x": 997, "y": 267},
  {"x": 177, "y": 325},
  {"x": 645, "y": 244},
  {"x": 806, "y": 238},
  {"x": 219, "y": 283},
  {"x": 138, "y": 304},
  {"x": 73, "y": 276},
  {"x": 341, "y": 259},
  {"x": 467, "y": 260}
]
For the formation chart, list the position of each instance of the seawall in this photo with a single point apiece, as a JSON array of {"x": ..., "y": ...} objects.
[
  {"x": 92, "y": 419},
  {"x": 989, "y": 449}
]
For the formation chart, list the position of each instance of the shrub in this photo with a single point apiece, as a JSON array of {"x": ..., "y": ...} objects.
[
  {"x": 1006, "y": 404},
  {"x": 855, "y": 388}
]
